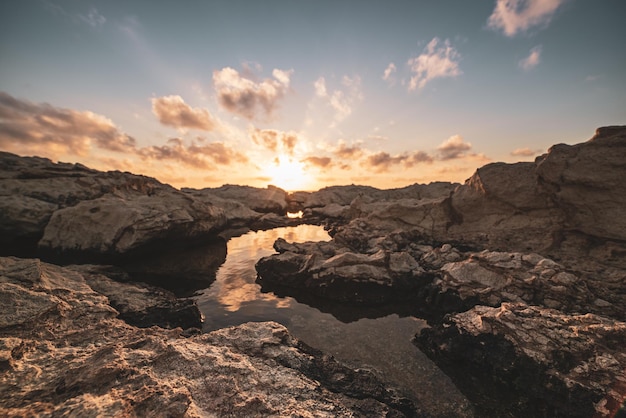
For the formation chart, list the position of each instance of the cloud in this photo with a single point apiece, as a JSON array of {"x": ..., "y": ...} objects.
[
  {"x": 93, "y": 18},
  {"x": 387, "y": 74},
  {"x": 345, "y": 152},
  {"x": 318, "y": 161},
  {"x": 383, "y": 161},
  {"x": 320, "y": 87},
  {"x": 514, "y": 16},
  {"x": 453, "y": 147},
  {"x": 173, "y": 111},
  {"x": 340, "y": 100},
  {"x": 271, "y": 139},
  {"x": 41, "y": 126},
  {"x": 525, "y": 152},
  {"x": 198, "y": 156},
  {"x": 532, "y": 60},
  {"x": 438, "y": 60},
  {"x": 246, "y": 97}
]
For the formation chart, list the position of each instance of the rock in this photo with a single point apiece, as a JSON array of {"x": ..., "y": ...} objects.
[
  {"x": 140, "y": 304},
  {"x": 334, "y": 272},
  {"x": 523, "y": 360},
  {"x": 271, "y": 199},
  {"x": 63, "y": 351},
  {"x": 587, "y": 182}
]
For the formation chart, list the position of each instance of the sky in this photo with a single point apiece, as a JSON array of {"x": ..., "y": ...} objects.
[{"x": 307, "y": 94}]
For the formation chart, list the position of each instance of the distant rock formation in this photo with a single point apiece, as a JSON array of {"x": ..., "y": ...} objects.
[{"x": 71, "y": 211}]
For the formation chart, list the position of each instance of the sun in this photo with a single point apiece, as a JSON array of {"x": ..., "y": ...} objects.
[{"x": 288, "y": 174}]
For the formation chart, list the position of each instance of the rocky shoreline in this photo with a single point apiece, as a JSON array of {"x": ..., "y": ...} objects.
[{"x": 520, "y": 271}]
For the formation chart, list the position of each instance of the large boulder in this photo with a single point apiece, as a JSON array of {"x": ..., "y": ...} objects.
[
  {"x": 271, "y": 199},
  {"x": 520, "y": 360},
  {"x": 64, "y": 352}
]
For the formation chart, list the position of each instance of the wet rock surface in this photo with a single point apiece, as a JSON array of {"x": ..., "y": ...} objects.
[{"x": 63, "y": 350}]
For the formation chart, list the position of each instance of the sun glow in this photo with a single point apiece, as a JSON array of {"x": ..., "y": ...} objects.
[{"x": 288, "y": 174}]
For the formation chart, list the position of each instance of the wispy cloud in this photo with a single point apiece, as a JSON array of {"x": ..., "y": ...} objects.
[
  {"x": 173, "y": 111},
  {"x": 388, "y": 73},
  {"x": 247, "y": 97},
  {"x": 340, "y": 100},
  {"x": 320, "y": 87},
  {"x": 453, "y": 147},
  {"x": 525, "y": 152},
  {"x": 532, "y": 60},
  {"x": 93, "y": 18},
  {"x": 438, "y": 60},
  {"x": 514, "y": 16},
  {"x": 40, "y": 125}
]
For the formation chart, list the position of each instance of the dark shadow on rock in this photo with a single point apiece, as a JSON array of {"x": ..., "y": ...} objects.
[{"x": 182, "y": 271}]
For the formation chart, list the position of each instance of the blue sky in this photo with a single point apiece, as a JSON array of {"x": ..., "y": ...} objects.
[{"x": 307, "y": 94}]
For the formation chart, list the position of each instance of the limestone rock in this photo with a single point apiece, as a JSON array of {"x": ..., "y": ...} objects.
[
  {"x": 334, "y": 272},
  {"x": 523, "y": 360},
  {"x": 271, "y": 199},
  {"x": 64, "y": 352}
]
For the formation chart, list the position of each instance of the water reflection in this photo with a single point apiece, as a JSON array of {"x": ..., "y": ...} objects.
[
  {"x": 182, "y": 270},
  {"x": 383, "y": 344},
  {"x": 234, "y": 297}
]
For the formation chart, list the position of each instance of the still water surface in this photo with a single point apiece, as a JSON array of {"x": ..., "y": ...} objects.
[{"x": 382, "y": 345}]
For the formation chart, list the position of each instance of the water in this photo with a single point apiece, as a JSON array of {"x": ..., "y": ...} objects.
[{"x": 382, "y": 345}]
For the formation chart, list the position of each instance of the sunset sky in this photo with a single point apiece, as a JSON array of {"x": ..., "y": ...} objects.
[{"x": 307, "y": 94}]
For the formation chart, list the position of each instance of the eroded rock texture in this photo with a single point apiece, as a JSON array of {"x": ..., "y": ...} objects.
[
  {"x": 64, "y": 351},
  {"x": 78, "y": 213},
  {"x": 521, "y": 271}
]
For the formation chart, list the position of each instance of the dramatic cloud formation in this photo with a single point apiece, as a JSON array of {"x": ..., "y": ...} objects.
[
  {"x": 246, "y": 97},
  {"x": 387, "y": 74},
  {"x": 524, "y": 152},
  {"x": 173, "y": 111},
  {"x": 271, "y": 139},
  {"x": 198, "y": 156},
  {"x": 513, "y": 16},
  {"x": 383, "y": 161},
  {"x": 65, "y": 130},
  {"x": 318, "y": 161},
  {"x": 437, "y": 61},
  {"x": 453, "y": 147},
  {"x": 532, "y": 60}
]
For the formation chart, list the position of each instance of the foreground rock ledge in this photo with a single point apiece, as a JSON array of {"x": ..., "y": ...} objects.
[
  {"x": 533, "y": 361},
  {"x": 63, "y": 351}
]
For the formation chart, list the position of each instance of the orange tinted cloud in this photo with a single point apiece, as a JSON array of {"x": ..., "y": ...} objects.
[
  {"x": 383, "y": 161},
  {"x": 40, "y": 125},
  {"x": 198, "y": 156},
  {"x": 173, "y": 111},
  {"x": 318, "y": 161},
  {"x": 453, "y": 147},
  {"x": 271, "y": 139}
]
